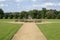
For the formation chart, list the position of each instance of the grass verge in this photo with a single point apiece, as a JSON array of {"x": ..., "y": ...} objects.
[
  {"x": 51, "y": 31},
  {"x": 7, "y": 30}
]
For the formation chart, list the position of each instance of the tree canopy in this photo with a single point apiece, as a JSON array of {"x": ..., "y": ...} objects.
[{"x": 34, "y": 14}]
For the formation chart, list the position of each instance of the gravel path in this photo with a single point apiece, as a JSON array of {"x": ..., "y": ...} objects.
[{"x": 29, "y": 31}]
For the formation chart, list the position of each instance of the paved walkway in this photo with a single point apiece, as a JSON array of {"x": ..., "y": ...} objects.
[{"x": 29, "y": 31}]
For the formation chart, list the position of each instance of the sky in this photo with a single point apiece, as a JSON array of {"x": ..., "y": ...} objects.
[{"x": 26, "y": 5}]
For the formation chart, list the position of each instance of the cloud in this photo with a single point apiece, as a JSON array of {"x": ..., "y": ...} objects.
[
  {"x": 2, "y": 0},
  {"x": 49, "y": 4},
  {"x": 26, "y": 0},
  {"x": 52, "y": 4},
  {"x": 59, "y": 4},
  {"x": 45, "y": 5},
  {"x": 38, "y": 0},
  {"x": 39, "y": 5},
  {"x": 34, "y": 0},
  {"x": 18, "y": 0},
  {"x": 2, "y": 5}
]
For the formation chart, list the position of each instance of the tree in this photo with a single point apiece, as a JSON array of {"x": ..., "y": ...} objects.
[
  {"x": 23, "y": 14},
  {"x": 44, "y": 12},
  {"x": 16, "y": 16},
  {"x": 11, "y": 16},
  {"x": 6, "y": 15},
  {"x": 33, "y": 14},
  {"x": 39, "y": 16},
  {"x": 1, "y": 13},
  {"x": 58, "y": 16},
  {"x": 50, "y": 14}
]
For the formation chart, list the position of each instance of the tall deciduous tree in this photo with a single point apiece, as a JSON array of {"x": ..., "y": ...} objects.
[
  {"x": 1, "y": 13},
  {"x": 34, "y": 14},
  {"x": 24, "y": 15},
  {"x": 58, "y": 16},
  {"x": 50, "y": 14},
  {"x": 44, "y": 12}
]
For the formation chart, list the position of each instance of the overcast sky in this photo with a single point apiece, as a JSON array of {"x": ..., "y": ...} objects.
[{"x": 25, "y": 5}]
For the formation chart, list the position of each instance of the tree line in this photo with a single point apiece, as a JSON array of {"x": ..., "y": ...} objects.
[{"x": 34, "y": 14}]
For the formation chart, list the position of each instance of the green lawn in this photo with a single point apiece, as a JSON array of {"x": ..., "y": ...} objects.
[
  {"x": 52, "y": 20},
  {"x": 51, "y": 31},
  {"x": 8, "y": 30},
  {"x": 7, "y": 20}
]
